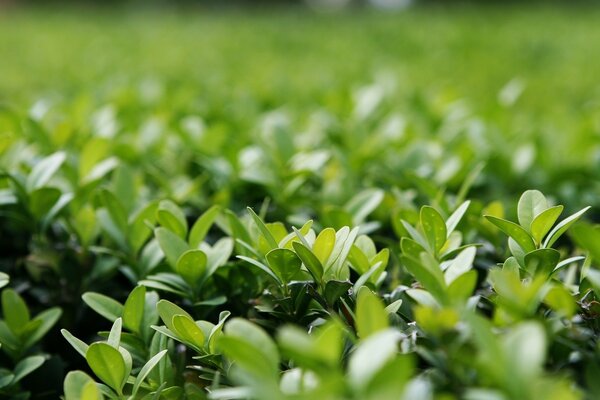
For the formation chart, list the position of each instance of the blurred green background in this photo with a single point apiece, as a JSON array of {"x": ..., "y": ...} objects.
[{"x": 513, "y": 86}]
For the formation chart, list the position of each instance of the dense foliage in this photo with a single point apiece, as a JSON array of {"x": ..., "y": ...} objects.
[{"x": 241, "y": 232}]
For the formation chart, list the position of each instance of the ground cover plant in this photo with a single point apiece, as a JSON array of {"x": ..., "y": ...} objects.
[{"x": 224, "y": 220}]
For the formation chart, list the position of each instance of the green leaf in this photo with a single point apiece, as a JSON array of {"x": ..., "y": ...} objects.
[
  {"x": 4, "y": 279},
  {"x": 334, "y": 290},
  {"x": 167, "y": 310},
  {"x": 434, "y": 227},
  {"x": 411, "y": 248},
  {"x": 16, "y": 313},
  {"x": 47, "y": 319},
  {"x": 172, "y": 245},
  {"x": 562, "y": 227},
  {"x": 77, "y": 344},
  {"x": 541, "y": 261},
  {"x": 324, "y": 244},
  {"x": 27, "y": 366},
  {"x": 542, "y": 223},
  {"x": 261, "y": 266},
  {"x": 454, "y": 219},
  {"x": 170, "y": 216},
  {"x": 103, "y": 305},
  {"x": 192, "y": 266},
  {"x": 588, "y": 238},
  {"x": 188, "y": 331},
  {"x": 44, "y": 170},
  {"x": 310, "y": 261},
  {"x": 108, "y": 365},
  {"x": 371, "y": 316},
  {"x": 519, "y": 235},
  {"x": 202, "y": 226},
  {"x": 146, "y": 369},
  {"x": 133, "y": 310},
  {"x": 463, "y": 286},
  {"x": 80, "y": 386},
  {"x": 42, "y": 200},
  {"x": 531, "y": 204},
  {"x": 285, "y": 263},
  {"x": 263, "y": 229},
  {"x": 251, "y": 348},
  {"x": 363, "y": 204},
  {"x": 371, "y": 356},
  {"x": 114, "y": 337},
  {"x": 116, "y": 210},
  {"x": 430, "y": 279},
  {"x": 140, "y": 226}
]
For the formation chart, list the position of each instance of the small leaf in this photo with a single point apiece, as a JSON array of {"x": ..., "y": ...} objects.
[
  {"x": 153, "y": 362},
  {"x": 324, "y": 244},
  {"x": 191, "y": 266},
  {"x": 434, "y": 227},
  {"x": 202, "y": 225},
  {"x": 541, "y": 261},
  {"x": 251, "y": 348},
  {"x": 531, "y": 204},
  {"x": 4, "y": 279},
  {"x": 108, "y": 365},
  {"x": 167, "y": 310},
  {"x": 520, "y": 235},
  {"x": 542, "y": 223},
  {"x": 188, "y": 331},
  {"x": 44, "y": 170},
  {"x": 114, "y": 337},
  {"x": 371, "y": 316},
  {"x": 454, "y": 219},
  {"x": 562, "y": 227},
  {"x": 103, "y": 305},
  {"x": 133, "y": 310},
  {"x": 27, "y": 366},
  {"x": 371, "y": 356},
  {"x": 172, "y": 245},
  {"x": 310, "y": 261},
  {"x": 16, "y": 313},
  {"x": 170, "y": 216},
  {"x": 263, "y": 229},
  {"x": 80, "y": 386},
  {"x": 261, "y": 266},
  {"x": 77, "y": 344},
  {"x": 285, "y": 263}
]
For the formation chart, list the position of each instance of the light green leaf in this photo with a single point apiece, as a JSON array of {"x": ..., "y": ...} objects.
[
  {"x": 146, "y": 369},
  {"x": 77, "y": 344},
  {"x": 188, "y": 331},
  {"x": 172, "y": 245},
  {"x": 371, "y": 316},
  {"x": 80, "y": 386},
  {"x": 171, "y": 217},
  {"x": 542, "y": 223},
  {"x": 103, "y": 305},
  {"x": 108, "y": 365},
  {"x": 371, "y": 356},
  {"x": 454, "y": 219},
  {"x": 191, "y": 265},
  {"x": 519, "y": 235},
  {"x": 44, "y": 170},
  {"x": 133, "y": 310},
  {"x": 27, "y": 366},
  {"x": 324, "y": 244},
  {"x": 202, "y": 226},
  {"x": 562, "y": 227},
  {"x": 434, "y": 227},
  {"x": 167, "y": 310},
  {"x": 531, "y": 204},
  {"x": 263, "y": 229},
  {"x": 16, "y": 313}
]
